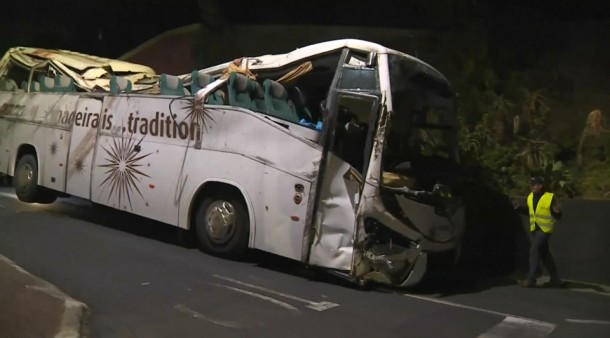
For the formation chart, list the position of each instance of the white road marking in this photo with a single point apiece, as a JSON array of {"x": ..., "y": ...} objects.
[
  {"x": 534, "y": 327},
  {"x": 182, "y": 308},
  {"x": 259, "y": 296},
  {"x": 318, "y": 306},
  {"x": 602, "y": 286},
  {"x": 473, "y": 308},
  {"x": 519, "y": 327},
  {"x": 8, "y": 194},
  {"x": 587, "y": 290},
  {"x": 580, "y": 286},
  {"x": 588, "y": 321},
  {"x": 599, "y": 289}
]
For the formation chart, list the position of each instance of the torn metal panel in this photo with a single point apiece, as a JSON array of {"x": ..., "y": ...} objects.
[
  {"x": 278, "y": 60},
  {"x": 82, "y": 61},
  {"x": 393, "y": 251},
  {"x": 335, "y": 219},
  {"x": 439, "y": 231}
]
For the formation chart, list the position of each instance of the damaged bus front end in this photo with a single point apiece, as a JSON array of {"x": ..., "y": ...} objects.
[
  {"x": 403, "y": 198},
  {"x": 413, "y": 211}
]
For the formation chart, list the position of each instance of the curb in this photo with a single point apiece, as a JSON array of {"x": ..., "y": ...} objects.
[
  {"x": 73, "y": 315},
  {"x": 74, "y": 320}
]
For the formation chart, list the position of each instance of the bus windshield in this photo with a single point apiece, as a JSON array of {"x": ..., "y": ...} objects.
[{"x": 422, "y": 135}]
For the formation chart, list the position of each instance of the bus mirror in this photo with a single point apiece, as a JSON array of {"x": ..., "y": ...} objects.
[{"x": 370, "y": 61}]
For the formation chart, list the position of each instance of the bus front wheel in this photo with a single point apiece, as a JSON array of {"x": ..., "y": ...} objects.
[
  {"x": 25, "y": 180},
  {"x": 26, "y": 185},
  {"x": 222, "y": 225}
]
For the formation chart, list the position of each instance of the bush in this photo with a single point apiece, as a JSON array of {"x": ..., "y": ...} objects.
[{"x": 595, "y": 181}]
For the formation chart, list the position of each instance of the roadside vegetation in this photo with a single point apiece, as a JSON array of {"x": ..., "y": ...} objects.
[{"x": 515, "y": 122}]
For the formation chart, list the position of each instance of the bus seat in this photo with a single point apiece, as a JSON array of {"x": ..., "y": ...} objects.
[
  {"x": 199, "y": 80},
  {"x": 64, "y": 84},
  {"x": 277, "y": 102},
  {"x": 216, "y": 97},
  {"x": 8, "y": 84},
  {"x": 258, "y": 95},
  {"x": 119, "y": 85},
  {"x": 239, "y": 93},
  {"x": 172, "y": 85},
  {"x": 47, "y": 84},
  {"x": 34, "y": 86},
  {"x": 300, "y": 104}
]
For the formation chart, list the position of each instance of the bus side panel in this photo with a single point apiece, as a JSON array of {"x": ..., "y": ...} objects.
[
  {"x": 140, "y": 153},
  {"x": 7, "y": 126},
  {"x": 285, "y": 197},
  {"x": 86, "y": 122},
  {"x": 41, "y": 120},
  {"x": 243, "y": 132},
  {"x": 205, "y": 166},
  {"x": 56, "y": 113},
  {"x": 267, "y": 162},
  {"x": 277, "y": 221}
]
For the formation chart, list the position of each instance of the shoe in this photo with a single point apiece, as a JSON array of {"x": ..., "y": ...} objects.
[{"x": 526, "y": 284}]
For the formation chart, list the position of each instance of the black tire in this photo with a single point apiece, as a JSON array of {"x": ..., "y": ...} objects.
[
  {"x": 230, "y": 216},
  {"x": 26, "y": 185},
  {"x": 25, "y": 180}
]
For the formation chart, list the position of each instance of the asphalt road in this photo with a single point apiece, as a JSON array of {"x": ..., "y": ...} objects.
[{"x": 140, "y": 281}]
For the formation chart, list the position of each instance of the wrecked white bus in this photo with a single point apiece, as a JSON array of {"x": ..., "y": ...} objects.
[{"x": 338, "y": 154}]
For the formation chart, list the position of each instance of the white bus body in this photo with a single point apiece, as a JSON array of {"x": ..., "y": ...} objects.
[{"x": 240, "y": 176}]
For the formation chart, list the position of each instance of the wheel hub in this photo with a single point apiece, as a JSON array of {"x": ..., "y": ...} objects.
[
  {"x": 25, "y": 176},
  {"x": 220, "y": 221}
]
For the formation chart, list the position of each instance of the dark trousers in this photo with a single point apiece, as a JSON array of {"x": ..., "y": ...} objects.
[{"x": 540, "y": 252}]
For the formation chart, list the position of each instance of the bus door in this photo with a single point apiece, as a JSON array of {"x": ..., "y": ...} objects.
[{"x": 347, "y": 141}]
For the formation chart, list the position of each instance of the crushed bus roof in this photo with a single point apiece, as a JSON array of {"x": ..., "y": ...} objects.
[
  {"x": 92, "y": 73},
  {"x": 271, "y": 61},
  {"x": 89, "y": 72}
]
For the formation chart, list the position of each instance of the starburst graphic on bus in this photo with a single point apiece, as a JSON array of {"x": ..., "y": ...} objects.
[
  {"x": 123, "y": 174},
  {"x": 79, "y": 165},
  {"x": 196, "y": 113},
  {"x": 53, "y": 148}
]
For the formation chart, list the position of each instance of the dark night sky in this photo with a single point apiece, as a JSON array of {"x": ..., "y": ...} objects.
[{"x": 112, "y": 27}]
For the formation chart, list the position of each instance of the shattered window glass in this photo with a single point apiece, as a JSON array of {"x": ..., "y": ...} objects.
[{"x": 358, "y": 79}]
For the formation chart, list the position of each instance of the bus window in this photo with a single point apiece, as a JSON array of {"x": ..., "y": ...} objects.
[
  {"x": 354, "y": 128},
  {"x": 421, "y": 142},
  {"x": 359, "y": 72},
  {"x": 14, "y": 78},
  {"x": 357, "y": 78}
]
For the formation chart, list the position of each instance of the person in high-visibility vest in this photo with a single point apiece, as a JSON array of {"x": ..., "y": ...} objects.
[{"x": 543, "y": 209}]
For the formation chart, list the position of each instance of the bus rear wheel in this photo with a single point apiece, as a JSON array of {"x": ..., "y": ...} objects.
[{"x": 222, "y": 225}]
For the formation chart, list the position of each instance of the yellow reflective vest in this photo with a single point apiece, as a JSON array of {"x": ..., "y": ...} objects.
[{"x": 542, "y": 215}]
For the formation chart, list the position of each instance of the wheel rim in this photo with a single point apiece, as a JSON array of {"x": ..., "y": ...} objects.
[
  {"x": 220, "y": 221},
  {"x": 26, "y": 175}
]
